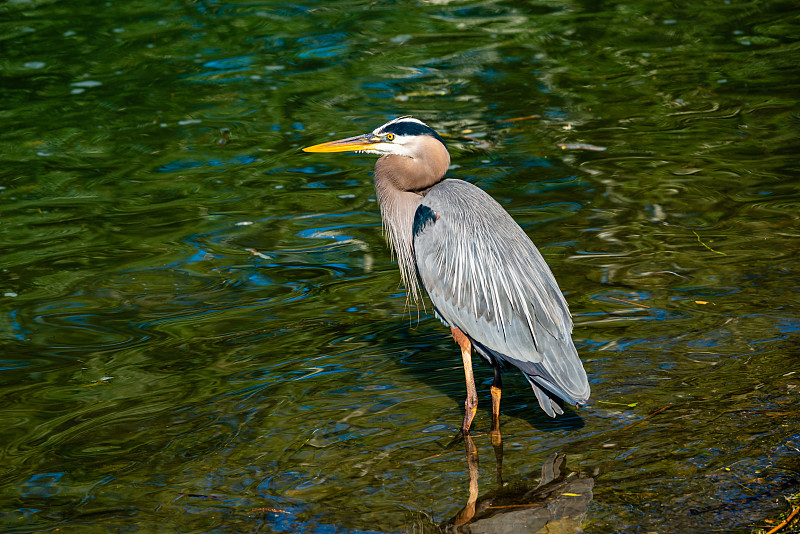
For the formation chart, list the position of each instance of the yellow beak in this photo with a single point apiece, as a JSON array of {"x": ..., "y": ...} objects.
[{"x": 359, "y": 142}]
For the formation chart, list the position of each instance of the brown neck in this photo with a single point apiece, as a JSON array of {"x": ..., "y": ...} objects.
[
  {"x": 413, "y": 174},
  {"x": 397, "y": 211},
  {"x": 399, "y": 182}
]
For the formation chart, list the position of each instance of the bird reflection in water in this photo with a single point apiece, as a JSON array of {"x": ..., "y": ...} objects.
[{"x": 555, "y": 501}]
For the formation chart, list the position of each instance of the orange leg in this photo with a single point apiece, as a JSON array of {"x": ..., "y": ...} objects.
[
  {"x": 471, "y": 404},
  {"x": 496, "y": 390}
]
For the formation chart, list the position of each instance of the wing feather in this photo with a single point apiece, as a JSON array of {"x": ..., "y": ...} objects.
[{"x": 486, "y": 277}]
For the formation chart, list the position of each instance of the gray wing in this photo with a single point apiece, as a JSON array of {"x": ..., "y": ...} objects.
[{"x": 486, "y": 277}]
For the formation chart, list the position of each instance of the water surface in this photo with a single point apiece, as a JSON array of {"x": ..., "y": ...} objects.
[{"x": 202, "y": 330}]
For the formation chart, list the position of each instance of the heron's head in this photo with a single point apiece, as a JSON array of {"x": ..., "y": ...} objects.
[{"x": 404, "y": 136}]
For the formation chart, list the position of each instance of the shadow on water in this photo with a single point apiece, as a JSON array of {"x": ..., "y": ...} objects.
[
  {"x": 432, "y": 357},
  {"x": 553, "y": 499}
]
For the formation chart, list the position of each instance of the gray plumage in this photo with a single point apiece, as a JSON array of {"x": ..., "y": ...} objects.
[
  {"x": 485, "y": 277},
  {"x": 483, "y": 274}
]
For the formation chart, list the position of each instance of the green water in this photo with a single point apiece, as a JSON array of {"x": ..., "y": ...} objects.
[{"x": 201, "y": 328}]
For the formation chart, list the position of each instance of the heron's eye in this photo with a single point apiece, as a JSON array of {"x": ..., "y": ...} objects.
[{"x": 390, "y": 137}]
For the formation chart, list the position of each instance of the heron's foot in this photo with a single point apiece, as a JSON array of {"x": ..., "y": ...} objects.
[{"x": 471, "y": 408}]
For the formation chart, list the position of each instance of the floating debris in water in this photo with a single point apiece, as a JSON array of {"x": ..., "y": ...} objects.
[
  {"x": 581, "y": 146},
  {"x": 525, "y": 118},
  {"x": 412, "y": 94},
  {"x": 224, "y": 137},
  {"x": 709, "y": 248},
  {"x": 629, "y": 405},
  {"x": 258, "y": 254}
]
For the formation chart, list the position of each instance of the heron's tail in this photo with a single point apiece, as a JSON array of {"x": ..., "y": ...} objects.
[
  {"x": 551, "y": 397},
  {"x": 557, "y": 378}
]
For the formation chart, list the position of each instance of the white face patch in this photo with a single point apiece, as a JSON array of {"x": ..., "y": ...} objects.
[{"x": 403, "y": 145}]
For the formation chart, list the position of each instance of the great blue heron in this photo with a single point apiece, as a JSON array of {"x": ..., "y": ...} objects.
[{"x": 485, "y": 277}]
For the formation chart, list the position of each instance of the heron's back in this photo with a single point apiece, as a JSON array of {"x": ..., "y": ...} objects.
[{"x": 486, "y": 277}]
